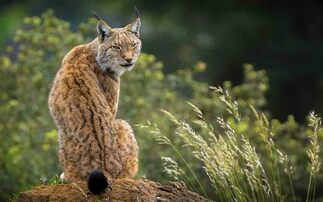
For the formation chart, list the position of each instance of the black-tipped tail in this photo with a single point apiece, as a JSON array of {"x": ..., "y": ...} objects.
[{"x": 97, "y": 182}]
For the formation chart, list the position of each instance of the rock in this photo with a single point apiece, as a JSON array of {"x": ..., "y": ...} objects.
[{"x": 122, "y": 190}]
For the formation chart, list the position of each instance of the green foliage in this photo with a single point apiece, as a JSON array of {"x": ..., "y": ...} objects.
[
  {"x": 27, "y": 69},
  {"x": 29, "y": 138}
]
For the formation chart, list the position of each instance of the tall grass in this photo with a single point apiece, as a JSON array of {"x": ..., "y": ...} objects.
[
  {"x": 236, "y": 170},
  {"x": 315, "y": 123}
]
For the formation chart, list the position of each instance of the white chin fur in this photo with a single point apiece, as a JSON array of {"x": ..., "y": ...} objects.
[{"x": 118, "y": 70}]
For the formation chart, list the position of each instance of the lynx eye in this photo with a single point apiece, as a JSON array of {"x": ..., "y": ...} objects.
[
  {"x": 116, "y": 47},
  {"x": 133, "y": 45}
]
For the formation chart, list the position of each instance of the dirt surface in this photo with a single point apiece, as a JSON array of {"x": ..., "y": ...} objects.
[{"x": 122, "y": 190}]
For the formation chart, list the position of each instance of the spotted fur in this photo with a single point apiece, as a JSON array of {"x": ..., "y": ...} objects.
[{"x": 83, "y": 103}]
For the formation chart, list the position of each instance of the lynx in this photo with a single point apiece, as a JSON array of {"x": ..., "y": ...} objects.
[{"x": 83, "y": 103}]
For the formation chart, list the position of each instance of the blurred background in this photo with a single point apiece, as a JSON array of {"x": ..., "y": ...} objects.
[
  {"x": 283, "y": 37},
  {"x": 188, "y": 46}
]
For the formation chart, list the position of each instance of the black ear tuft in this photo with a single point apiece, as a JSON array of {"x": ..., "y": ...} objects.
[
  {"x": 137, "y": 11},
  {"x": 96, "y": 15},
  {"x": 97, "y": 182}
]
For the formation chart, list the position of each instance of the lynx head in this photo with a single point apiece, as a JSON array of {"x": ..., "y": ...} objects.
[{"x": 119, "y": 48}]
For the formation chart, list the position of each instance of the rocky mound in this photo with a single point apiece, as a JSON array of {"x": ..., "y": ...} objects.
[{"x": 122, "y": 190}]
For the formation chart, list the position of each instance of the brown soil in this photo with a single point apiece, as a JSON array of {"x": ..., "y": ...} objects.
[{"x": 122, "y": 190}]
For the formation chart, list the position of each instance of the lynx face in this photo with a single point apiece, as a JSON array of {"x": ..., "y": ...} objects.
[{"x": 119, "y": 48}]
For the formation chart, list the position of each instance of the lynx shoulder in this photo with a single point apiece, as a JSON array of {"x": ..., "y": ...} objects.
[{"x": 83, "y": 103}]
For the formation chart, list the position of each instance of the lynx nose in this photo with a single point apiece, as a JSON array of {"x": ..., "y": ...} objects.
[
  {"x": 128, "y": 59},
  {"x": 127, "y": 56}
]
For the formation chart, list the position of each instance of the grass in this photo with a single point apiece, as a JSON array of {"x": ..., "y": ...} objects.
[
  {"x": 236, "y": 170},
  {"x": 55, "y": 180},
  {"x": 315, "y": 123}
]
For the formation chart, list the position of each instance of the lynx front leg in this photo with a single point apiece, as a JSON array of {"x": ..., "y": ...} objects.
[{"x": 127, "y": 148}]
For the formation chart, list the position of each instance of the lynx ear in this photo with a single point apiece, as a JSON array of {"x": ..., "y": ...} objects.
[
  {"x": 134, "y": 27},
  {"x": 103, "y": 30}
]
